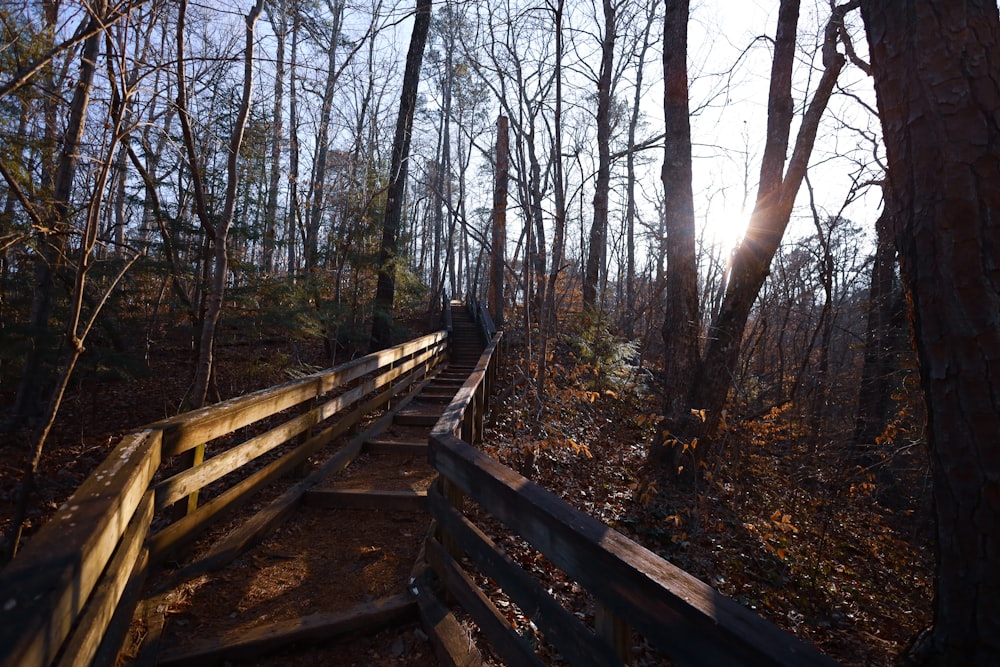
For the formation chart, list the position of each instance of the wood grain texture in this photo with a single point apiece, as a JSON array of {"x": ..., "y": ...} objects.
[
  {"x": 680, "y": 615},
  {"x": 316, "y": 628},
  {"x": 45, "y": 588}
]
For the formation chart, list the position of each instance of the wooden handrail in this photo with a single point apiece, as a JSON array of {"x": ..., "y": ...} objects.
[
  {"x": 70, "y": 593},
  {"x": 679, "y": 615}
]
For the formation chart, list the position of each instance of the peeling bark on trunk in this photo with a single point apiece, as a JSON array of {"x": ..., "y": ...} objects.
[{"x": 935, "y": 65}]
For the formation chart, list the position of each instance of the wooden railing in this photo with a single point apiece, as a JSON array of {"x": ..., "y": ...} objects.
[
  {"x": 68, "y": 597},
  {"x": 633, "y": 589},
  {"x": 481, "y": 315}
]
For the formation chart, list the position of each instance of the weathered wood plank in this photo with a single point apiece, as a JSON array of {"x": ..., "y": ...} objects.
[
  {"x": 182, "y": 532},
  {"x": 44, "y": 589},
  {"x": 454, "y": 415},
  {"x": 510, "y": 646},
  {"x": 575, "y": 641},
  {"x": 194, "y": 428},
  {"x": 679, "y": 614},
  {"x": 116, "y": 634},
  {"x": 124, "y": 567},
  {"x": 366, "y": 499},
  {"x": 176, "y": 487},
  {"x": 452, "y": 644},
  {"x": 315, "y": 628},
  {"x": 403, "y": 447},
  {"x": 264, "y": 521}
]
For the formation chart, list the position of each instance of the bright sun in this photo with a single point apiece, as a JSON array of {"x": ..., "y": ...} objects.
[{"x": 725, "y": 225}]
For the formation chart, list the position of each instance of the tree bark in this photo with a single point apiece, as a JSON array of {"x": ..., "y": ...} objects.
[
  {"x": 279, "y": 23},
  {"x": 497, "y": 256},
  {"x": 599, "y": 228},
  {"x": 630, "y": 177},
  {"x": 386, "y": 287},
  {"x": 548, "y": 315},
  {"x": 682, "y": 320},
  {"x": 318, "y": 186},
  {"x": 292, "y": 212},
  {"x": 935, "y": 65},
  {"x": 876, "y": 387}
]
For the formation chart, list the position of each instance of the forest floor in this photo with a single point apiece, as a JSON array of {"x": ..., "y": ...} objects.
[{"x": 780, "y": 523}]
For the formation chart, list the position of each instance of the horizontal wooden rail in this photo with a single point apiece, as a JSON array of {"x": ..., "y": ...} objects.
[
  {"x": 677, "y": 614},
  {"x": 69, "y": 595}
]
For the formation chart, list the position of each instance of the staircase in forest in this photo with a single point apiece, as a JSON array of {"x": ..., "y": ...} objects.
[
  {"x": 189, "y": 545},
  {"x": 342, "y": 563}
]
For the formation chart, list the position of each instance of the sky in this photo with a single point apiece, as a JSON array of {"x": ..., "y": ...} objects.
[{"x": 728, "y": 135}]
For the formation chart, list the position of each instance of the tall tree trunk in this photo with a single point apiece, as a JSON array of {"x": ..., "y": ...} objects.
[
  {"x": 496, "y": 293},
  {"x": 876, "y": 387},
  {"x": 630, "y": 178},
  {"x": 935, "y": 66},
  {"x": 682, "y": 321},
  {"x": 56, "y": 183},
  {"x": 318, "y": 185},
  {"x": 386, "y": 288},
  {"x": 279, "y": 22},
  {"x": 599, "y": 228},
  {"x": 292, "y": 211},
  {"x": 61, "y": 212},
  {"x": 549, "y": 315},
  {"x": 536, "y": 235}
]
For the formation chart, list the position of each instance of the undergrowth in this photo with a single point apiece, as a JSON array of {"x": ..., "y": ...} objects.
[{"x": 778, "y": 521}]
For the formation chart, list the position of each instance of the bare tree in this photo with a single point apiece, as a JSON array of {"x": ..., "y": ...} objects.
[
  {"x": 385, "y": 291},
  {"x": 499, "y": 220},
  {"x": 279, "y": 22},
  {"x": 776, "y": 194},
  {"x": 216, "y": 227},
  {"x": 599, "y": 228}
]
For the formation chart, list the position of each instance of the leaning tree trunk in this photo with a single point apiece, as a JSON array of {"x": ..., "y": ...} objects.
[
  {"x": 935, "y": 65},
  {"x": 773, "y": 208},
  {"x": 216, "y": 229},
  {"x": 386, "y": 288}
]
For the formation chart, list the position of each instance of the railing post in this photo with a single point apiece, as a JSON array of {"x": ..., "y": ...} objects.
[
  {"x": 308, "y": 406},
  {"x": 612, "y": 629},
  {"x": 479, "y": 412},
  {"x": 191, "y": 459},
  {"x": 469, "y": 422}
]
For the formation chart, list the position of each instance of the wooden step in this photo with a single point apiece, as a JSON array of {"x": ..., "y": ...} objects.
[
  {"x": 248, "y": 644},
  {"x": 367, "y": 499},
  {"x": 389, "y": 446},
  {"x": 419, "y": 416},
  {"x": 435, "y": 393}
]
